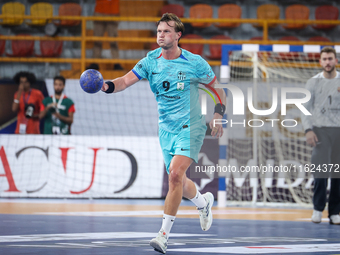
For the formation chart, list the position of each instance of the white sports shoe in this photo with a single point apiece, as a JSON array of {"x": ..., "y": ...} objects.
[
  {"x": 160, "y": 242},
  {"x": 334, "y": 219},
  {"x": 205, "y": 213},
  {"x": 317, "y": 216}
]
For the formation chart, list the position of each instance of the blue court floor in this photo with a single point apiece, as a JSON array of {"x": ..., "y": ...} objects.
[{"x": 55, "y": 234}]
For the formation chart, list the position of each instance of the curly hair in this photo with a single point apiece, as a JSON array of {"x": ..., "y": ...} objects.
[{"x": 29, "y": 76}]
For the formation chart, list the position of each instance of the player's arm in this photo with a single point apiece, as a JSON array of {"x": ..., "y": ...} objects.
[
  {"x": 307, "y": 121},
  {"x": 67, "y": 119},
  {"x": 121, "y": 83},
  {"x": 215, "y": 124}
]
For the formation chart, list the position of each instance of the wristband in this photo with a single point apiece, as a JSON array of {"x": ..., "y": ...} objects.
[
  {"x": 16, "y": 101},
  {"x": 111, "y": 87},
  {"x": 220, "y": 109},
  {"x": 307, "y": 130}
]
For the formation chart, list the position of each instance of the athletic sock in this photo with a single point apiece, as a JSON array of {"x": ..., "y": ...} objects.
[
  {"x": 168, "y": 221},
  {"x": 199, "y": 200}
]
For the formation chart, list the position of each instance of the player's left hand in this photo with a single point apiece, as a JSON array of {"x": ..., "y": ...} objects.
[{"x": 216, "y": 126}]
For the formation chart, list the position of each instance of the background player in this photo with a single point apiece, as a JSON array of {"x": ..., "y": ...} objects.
[
  {"x": 174, "y": 75},
  {"x": 58, "y": 110},
  {"x": 323, "y": 133}
]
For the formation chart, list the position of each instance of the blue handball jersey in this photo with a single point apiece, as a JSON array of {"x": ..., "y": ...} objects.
[{"x": 175, "y": 86}]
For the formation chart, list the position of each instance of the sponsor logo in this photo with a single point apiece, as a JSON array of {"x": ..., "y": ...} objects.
[
  {"x": 181, "y": 75},
  {"x": 180, "y": 86}
]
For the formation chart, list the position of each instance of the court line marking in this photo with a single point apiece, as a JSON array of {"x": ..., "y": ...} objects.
[
  {"x": 160, "y": 212},
  {"x": 272, "y": 249},
  {"x": 82, "y": 236}
]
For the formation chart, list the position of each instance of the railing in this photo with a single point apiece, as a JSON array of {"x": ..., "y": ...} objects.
[{"x": 83, "y": 38}]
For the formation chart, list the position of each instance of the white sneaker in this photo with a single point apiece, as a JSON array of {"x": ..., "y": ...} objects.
[
  {"x": 205, "y": 213},
  {"x": 334, "y": 219},
  {"x": 317, "y": 216},
  {"x": 160, "y": 242}
]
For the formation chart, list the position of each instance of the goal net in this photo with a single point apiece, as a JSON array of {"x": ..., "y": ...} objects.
[{"x": 273, "y": 143}]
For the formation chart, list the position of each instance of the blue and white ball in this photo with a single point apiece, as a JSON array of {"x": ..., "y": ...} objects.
[{"x": 91, "y": 81}]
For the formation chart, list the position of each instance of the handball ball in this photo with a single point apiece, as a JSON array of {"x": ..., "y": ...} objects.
[{"x": 91, "y": 81}]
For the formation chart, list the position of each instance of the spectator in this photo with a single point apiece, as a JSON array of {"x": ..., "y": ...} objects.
[
  {"x": 27, "y": 104},
  {"x": 58, "y": 110},
  {"x": 106, "y": 8}
]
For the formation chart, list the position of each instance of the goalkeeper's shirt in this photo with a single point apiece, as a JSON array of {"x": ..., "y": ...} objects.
[
  {"x": 175, "y": 86},
  {"x": 324, "y": 104}
]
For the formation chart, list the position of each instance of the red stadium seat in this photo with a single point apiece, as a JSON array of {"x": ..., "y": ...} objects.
[
  {"x": 216, "y": 49},
  {"x": 201, "y": 11},
  {"x": 173, "y": 8},
  {"x": 69, "y": 9},
  {"x": 193, "y": 48},
  {"x": 256, "y": 38},
  {"x": 267, "y": 11},
  {"x": 154, "y": 45},
  {"x": 2, "y": 47},
  {"x": 318, "y": 39},
  {"x": 296, "y": 12},
  {"x": 50, "y": 49},
  {"x": 22, "y": 48},
  {"x": 229, "y": 11},
  {"x": 326, "y": 12}
]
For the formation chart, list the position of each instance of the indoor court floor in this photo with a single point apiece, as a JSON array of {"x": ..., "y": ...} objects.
[{"x": 117, "y": 226}]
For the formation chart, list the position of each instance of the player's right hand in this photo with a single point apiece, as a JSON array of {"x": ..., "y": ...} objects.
[
  {"x": 104, "y": 87},
  {"x": 311, "y": 138}
]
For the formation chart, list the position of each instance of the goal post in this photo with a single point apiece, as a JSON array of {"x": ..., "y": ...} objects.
[{"x": 269, "y": 73}]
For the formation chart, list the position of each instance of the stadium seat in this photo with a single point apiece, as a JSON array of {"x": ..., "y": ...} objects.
[
  {"x": 268, "y": 11},
  {"x": 43, "y": 10},
  {"x": 193, "y": 48},
  {"x": 289, "y": 38},
  {"x": 2, "y": 47},
  {"x": 51, "y": 49},
  {"x": 173, "y": 8},
  {"x": 137, "y": 8},
  {"x": 256, "y": 38},
  {"x": 21, "y": 48},
  {"x": 326, "y": 12},
  {"x": 216, "y": 49},
  {"x": 11, "y": 9},
  {"x": 154, "y": 45},
  {"x": 296, "y": 12},
  {"x": 69, "y": 9},
  {"x": 318, "y": 39},
  {"x": 201, "y": 11},
  {"x": 229, "y": 11}
]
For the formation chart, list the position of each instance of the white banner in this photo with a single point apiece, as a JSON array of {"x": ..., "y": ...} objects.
[
  {"x": 80, "y": 166},
  {"x": 131, "y": 112}
]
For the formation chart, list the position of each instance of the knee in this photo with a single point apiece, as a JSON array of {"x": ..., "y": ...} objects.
[{"x": 175, "y": 178}]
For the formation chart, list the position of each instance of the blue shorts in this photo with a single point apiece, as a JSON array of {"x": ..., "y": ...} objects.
[{"x": 187, "y": 142}]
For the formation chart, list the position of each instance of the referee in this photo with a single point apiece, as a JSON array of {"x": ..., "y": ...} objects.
[{"x": 323, "y": 134}]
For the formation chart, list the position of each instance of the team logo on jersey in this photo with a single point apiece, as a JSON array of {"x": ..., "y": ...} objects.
[
  {"x": 180, "y": 86},
  {"x": 181, "y": 75}
]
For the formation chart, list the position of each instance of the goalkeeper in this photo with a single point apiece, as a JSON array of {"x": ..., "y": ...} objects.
[
  {"x": 174, "y": 75},
  {"x": 323, "y": 134}
]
